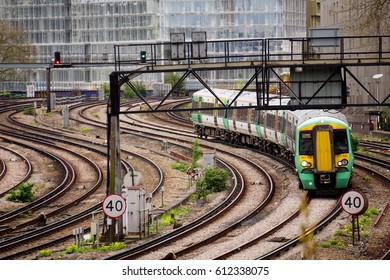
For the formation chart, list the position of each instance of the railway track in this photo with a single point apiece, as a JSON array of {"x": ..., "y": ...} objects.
[
  {"x": 131, "y": 131},
  {"x": 230, "y": 201},
  {"x": 179, "y": 253},
  {"x": 331, "y": 214},
  {"x": 55, "y": 227},
  {"x": 205, "y": 242},
  {"x": 26, "y": 176}
]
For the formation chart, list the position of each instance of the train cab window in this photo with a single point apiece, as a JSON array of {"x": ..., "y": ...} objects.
[
  {"x": 340, "y": 141},
  {"x": 306, "y": 143}
]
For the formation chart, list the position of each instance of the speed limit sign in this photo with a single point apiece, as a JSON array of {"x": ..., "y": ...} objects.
[
  {"x": 354, "y": 203},
  {"x": 114, "y": 206}
]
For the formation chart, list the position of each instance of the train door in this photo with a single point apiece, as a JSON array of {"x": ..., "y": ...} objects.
[
  {"x": 233, "y": 117},
  {"x": 250, "y": 118},
  {"x": 323, "y": 143}
]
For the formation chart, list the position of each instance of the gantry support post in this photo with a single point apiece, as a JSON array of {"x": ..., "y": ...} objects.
[{"x": 114, "y": 163}]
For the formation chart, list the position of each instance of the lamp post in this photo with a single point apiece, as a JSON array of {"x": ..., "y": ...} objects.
[{"x": 377, "y": 77}]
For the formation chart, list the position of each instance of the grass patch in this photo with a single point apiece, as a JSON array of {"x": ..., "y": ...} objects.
[
  {"x": 73, "y": 249},
  {"x": 333, "y": 242},
  {"x": 84, "y": 130},
  {"x": 181, "y": 166},
  {"x": 365, "y": 221},
  {"x": 169, "y": 217},
  {"x": 30, "y": 111},
  {"x": 367, "y": 178},
  {"x": 45, "y": 253}
]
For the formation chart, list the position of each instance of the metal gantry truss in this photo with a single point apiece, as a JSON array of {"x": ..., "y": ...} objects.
[
  {"x": 266, "y": 58},
  {"x": 317, "y": 80}
]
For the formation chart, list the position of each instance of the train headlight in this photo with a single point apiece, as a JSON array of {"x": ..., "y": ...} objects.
[
  {"x": 342, "y": 162},
  {"x": 305, "y": 163}
]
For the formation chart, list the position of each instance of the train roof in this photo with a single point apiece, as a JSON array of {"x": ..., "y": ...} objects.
[{"x": 250, "y": 97}]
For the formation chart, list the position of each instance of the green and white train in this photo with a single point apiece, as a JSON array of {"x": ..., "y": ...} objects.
[{"x": 318, "y": 141}]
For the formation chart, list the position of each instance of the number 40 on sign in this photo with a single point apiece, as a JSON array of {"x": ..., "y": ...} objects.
[
  {"x": 114, "y": 206},
  {"x": 354, "y": 203}
]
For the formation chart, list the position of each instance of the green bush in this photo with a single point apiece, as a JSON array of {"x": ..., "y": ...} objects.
[
  {"x": 22, "y": 193},
  {"x": 29, "y": 111},
  {"x": 6, "y": 94},
  {"x": 355, "y": 143},
  {"x": 214, "y": 180}
]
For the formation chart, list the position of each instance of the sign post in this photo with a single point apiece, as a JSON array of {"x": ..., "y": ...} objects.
[
  {"x": 354, "y": 203},
  {"x": 114, "y": 206}
]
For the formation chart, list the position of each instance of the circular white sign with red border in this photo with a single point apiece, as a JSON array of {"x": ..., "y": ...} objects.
[
  {"x": 114, "y": 206},
  {"x": 354, "y": 202}
]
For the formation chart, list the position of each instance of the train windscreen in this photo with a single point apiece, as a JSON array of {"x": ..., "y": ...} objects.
[
  {"x": 306, "y": 143},
  {"x": 340, "y": 141}
]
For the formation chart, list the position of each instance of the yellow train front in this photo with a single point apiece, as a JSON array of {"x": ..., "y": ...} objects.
[{"x": 323, "y": 155}]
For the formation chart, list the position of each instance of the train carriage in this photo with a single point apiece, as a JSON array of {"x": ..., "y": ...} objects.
[{"x": 319, "y": 141}]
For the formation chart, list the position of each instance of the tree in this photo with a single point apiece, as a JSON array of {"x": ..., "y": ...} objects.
[
  {"x": 173, "y": 78},
  {"x": 196, "y": 153},
  {"x": 14, "y": 48},
  {"x": 106, "y": 88},
  {"x": 129, "y": 92},
  {"x": 368, "y": 17},
  {"x": 385, "y": 119}
]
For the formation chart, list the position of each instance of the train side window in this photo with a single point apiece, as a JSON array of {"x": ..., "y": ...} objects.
[
  {"x": 306, "y": 143},
  {"x": 340, "y": 141},
  {"x": 252, "y": 115},
  {"x": 221, "y": 113},
  {"x": 270, "y": 121},
  {"x": 242, "y": 115},
  {"x": 209, "y": 106},
  {"x": 280, "y": 123},
  {"x": 196, "y": 104},
  {"x": 230, "y": 113}
]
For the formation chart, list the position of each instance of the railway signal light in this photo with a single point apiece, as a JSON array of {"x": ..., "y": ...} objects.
[
  {"x": 143, "y": 56},
  {"x": 57, "y": 58},
  {"x": 57, "y": 63}
]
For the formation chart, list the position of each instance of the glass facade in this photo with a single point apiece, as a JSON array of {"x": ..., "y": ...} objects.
[{"x": 86, "y": 30}]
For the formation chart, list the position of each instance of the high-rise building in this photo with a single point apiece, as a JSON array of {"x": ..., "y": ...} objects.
[
  {"x": 360, "y": 18},
  {"x": 85, "y": 31}
]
